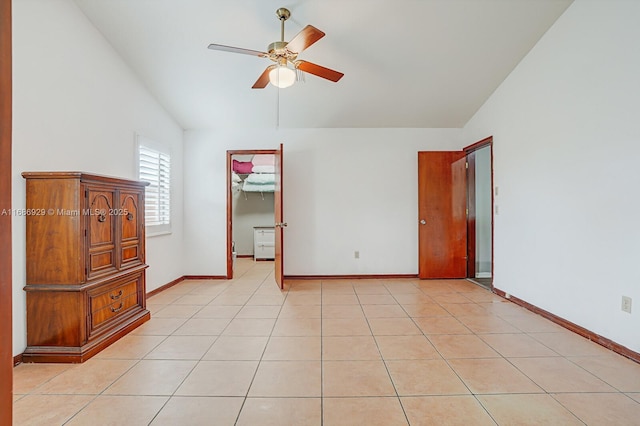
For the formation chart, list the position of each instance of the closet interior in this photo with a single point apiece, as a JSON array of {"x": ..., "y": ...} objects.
[{"x": 252, "y": 189}]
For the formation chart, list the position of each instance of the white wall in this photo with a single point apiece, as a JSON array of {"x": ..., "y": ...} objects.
[
  {"x": 77, "y": 107},
  {"x": 344, "y": 190},
  {"x": 566, "y": 146}
]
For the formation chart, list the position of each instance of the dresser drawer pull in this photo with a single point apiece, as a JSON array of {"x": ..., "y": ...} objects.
[
  {"x": 118, "y": 308},
  {"x": 116, "y": 296}
]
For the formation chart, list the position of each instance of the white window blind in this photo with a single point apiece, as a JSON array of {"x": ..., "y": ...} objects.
[{"x": 155, "y": 168}]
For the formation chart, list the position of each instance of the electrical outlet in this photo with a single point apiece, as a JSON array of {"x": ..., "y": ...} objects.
[
  {"x": 356, "y": 254},
  {"x": 626, "y": 304}
]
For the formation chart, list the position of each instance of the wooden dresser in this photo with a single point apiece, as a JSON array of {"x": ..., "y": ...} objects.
[{"x": 86, "y": 266}]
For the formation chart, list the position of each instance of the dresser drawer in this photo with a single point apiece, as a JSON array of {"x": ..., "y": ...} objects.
[
  {"x": 264, "y": 241},
  {"x": 113, "y": 310},
  {"x": 102, "y": 299}
]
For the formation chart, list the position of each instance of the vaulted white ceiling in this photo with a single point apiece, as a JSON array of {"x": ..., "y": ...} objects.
[{"x": 407, "y": 63}]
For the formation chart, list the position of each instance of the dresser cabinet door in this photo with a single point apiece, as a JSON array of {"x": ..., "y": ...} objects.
[
  {"x": 101, "y": 230},
  {"x": 131, "y": 228}
]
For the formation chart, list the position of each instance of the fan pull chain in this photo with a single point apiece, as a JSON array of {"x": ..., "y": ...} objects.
[{"x": 300, "y": 75}]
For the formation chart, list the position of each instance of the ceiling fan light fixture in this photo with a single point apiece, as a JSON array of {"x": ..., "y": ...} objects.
[{"x": 282, "y": 76}]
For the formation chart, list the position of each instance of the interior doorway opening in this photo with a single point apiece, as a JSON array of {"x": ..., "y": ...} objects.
[
  {"x": 480, "y": 213},
  {"x": 250, "y": 206}
]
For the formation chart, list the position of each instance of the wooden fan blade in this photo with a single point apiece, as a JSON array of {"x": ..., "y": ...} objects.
[
  {"x": 323, "y": 72},
  {"x": 236, "y": 50},
  {"x": 263, "y": 80},
  {"x": 304, "y": 39}
]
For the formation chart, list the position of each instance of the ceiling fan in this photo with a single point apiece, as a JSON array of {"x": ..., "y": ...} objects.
[{"x": 285, "y": 55}]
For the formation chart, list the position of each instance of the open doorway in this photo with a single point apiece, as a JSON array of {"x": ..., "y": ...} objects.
[
  {"x": 250, "y": 205},
  {"x": 480, "y": 214}
]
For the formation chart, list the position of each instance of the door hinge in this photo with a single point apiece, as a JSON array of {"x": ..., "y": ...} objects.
[
  {"x": 466, "y": 165},
  {"x": 467, "y": 212}
]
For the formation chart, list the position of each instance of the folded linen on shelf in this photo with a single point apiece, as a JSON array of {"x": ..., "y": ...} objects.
[
  {"x": 261, "y": 178},
  {"x": 263, "y": 169},
  {"x": 257, "y": 187}
]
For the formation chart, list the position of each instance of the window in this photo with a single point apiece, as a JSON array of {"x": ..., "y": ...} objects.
[{"x": 154, "y": 166}]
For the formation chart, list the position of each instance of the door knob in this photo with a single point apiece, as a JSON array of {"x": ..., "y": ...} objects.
[
  {"x": 423, "y": 222},
  {"x": 281, "y": 224}
]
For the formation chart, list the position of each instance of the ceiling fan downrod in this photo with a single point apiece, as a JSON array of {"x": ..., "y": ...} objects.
[{"x": 283, "y": 14}]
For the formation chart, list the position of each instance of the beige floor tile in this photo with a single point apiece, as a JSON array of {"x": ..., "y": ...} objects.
[
  {"x": 377, "y": 299},
  {"x": 38, "y": 410},
  {"x": 90, "y": 378},
  {"x": 218, "y": 311},
  {"x": 517, "y": 345},
  {"x": 603, "y": 409},
  {"x": 241, "y": 348},
  {"x": 267, "y": 299},
  {"x": 159, "y": 326},
  {"x": 195, "y": 299},
  {"x": 425, "y": 377},
  {"x": 464, "y": 309},
  {"x": 399, "y": 287},
  {"x": 131, "y": 346},
  {"x": 412, "y": 299},
  {"x": 635, "y": 396},
  {"x": 567, "y": 343},
  {"x": 231, "y": 299},
  {"x": 393, "y": 327},
  {"x": 441, "y": 325},
  {"x": 334, "y": 287},
  {"x": 300, "y": 311},
  {"x": 303, "y": 299},
  {"x": 339, "y": 299},
  {"x": 406, "y": 347},
  {"x": 202, "y": 327},
  {"x": 164, "y": 298},
  {"x": 345, "y": 327},
  {"x": 492, "y": 375},
  {"x": 281, "y": 411},
  {"x": 621, "y": 373},
  {"x": 426, "y": 310},
  {"x": 349, "y": 348},
  {"x": 249, "y": 327},
  {"x": 178, "y": 311},
  {"x": 27, "y": 377},
  {"x": 529, "y": 322},
  {"x": 356, "y": 378},
  {"x": 342, "y": 311},
  {"x": 432, "y": 287},
  {"x": 370, "y": 288},
  {"x": 371, "y": 411},
  {"x": 297, "y": 348},
  {"x": 487, "y": 323},
  {"x": 297, "y": 327},
  {"x": 182, "y": 347},
  {"x": 560, "y": 375},
  {"x": 152, "y": 377},
  {"x": 112, "y": 410},
  {"x": 527, "y": 410},
  {"x": 287, "y": 379},
  {"x": 450, "y": 298},
  {"x": 199, "y": 411},
  {"x": 219, "y": 378},
  {"x": 461, "y": 346},
  {"x": 458, "y": 410},
  {"x": 384, "y": 311}
]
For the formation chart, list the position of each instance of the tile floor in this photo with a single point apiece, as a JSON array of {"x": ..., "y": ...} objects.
[{"x": 338, "y": 352}]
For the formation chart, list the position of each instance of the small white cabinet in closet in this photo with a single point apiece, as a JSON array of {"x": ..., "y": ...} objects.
[{"x": 264, "y": 242}]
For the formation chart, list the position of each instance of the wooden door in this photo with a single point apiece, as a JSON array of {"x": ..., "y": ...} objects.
[
  {"x": 442, "y": 228},
  {"x": 101, "y": 230},
  {"x": 278, "y": 219},
  {"x": 129, "y": 213}
]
